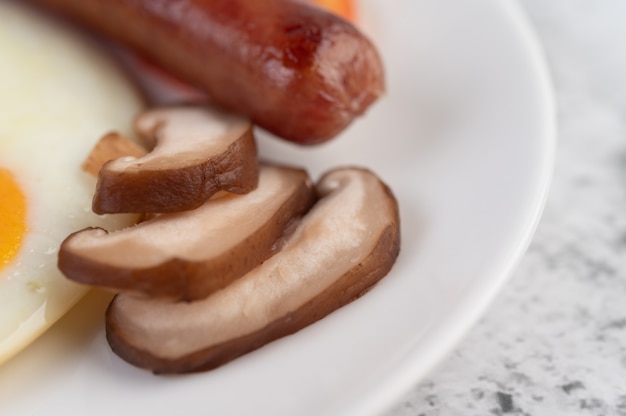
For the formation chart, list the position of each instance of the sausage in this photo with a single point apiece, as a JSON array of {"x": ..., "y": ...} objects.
[{"x": 296, "y": 70}]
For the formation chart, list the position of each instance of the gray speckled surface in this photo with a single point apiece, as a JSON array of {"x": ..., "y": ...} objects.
[{"x": 554, "y": 341}]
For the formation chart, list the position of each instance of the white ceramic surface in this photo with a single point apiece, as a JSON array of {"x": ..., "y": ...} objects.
[{"x": 464, "y": 137}]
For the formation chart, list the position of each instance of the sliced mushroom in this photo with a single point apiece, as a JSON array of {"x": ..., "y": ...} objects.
[
  {"x": 110, "y": 146},
  {"x": 190, "y": 254},
  {"x": 344, "y": 245},
  {"x": 197, "y": 152}
]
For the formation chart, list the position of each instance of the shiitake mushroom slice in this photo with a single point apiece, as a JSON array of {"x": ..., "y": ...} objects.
[
  {"x": 344, "y": 245},
  {"x": 191, "y": 254},
  {"x": 196, "y": 152}
]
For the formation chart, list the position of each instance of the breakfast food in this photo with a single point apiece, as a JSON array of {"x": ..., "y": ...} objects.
[
  {"x": 196, "y": 152},
  {"x": 228, "y": 253},
  {"x": 111, "y": 146},
  {"x": 344, "y": 245},
  {"x": 343, "y": 8},
  {"x": 54, "y": 107},
  {"x": 189, "y": 255},
  {"x": 199, "y": 288},
  {"x": 294, "y": 69}
]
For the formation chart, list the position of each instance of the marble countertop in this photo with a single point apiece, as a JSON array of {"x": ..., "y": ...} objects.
[{"x": 554, "y": 341}]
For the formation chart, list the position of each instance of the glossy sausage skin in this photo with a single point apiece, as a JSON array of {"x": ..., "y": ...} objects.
[{"x": 295, "y": 70}]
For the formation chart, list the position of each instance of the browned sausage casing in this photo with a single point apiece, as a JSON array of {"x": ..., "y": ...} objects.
[{"x": 295, "y": 70}]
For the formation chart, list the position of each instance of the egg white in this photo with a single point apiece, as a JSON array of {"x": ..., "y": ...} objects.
[{"x": 58, "y": 94}]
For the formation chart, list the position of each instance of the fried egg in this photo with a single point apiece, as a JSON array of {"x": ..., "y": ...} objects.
[{"x": 58, "y": 94}]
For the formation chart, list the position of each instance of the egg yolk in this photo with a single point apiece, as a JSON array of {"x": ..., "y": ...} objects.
[
  {"x": 344, "y": 8},
  {"x": 12, "y": 217}
]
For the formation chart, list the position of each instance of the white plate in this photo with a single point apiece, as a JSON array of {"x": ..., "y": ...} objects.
[{"x": 465, "y": 138}]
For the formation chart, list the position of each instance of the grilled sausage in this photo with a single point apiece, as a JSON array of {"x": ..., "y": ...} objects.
[{"x": 296, "y": 70}]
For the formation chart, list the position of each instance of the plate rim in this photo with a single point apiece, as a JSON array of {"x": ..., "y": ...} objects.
[{"x": 391, "y": 391}]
